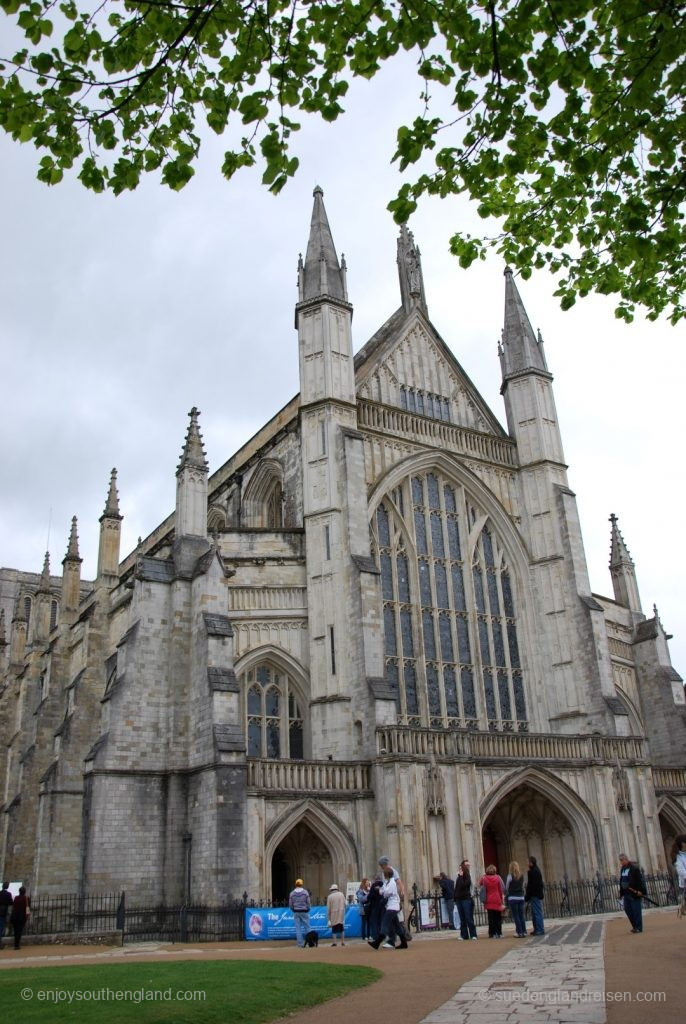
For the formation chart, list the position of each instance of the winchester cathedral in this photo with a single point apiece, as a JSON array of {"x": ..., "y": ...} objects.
[{"x": 370, "y": 631}]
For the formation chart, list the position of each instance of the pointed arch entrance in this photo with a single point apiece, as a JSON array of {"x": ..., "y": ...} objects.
[
  {"x": 307, "y": 841},
  {"x": 532, "y": 814},
  {"x": 301, "y": 854},
  {"x": 672, "y": 818}
]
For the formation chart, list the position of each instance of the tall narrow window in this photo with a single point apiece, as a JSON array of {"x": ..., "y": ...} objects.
[
  {"x": 274, "y": 721},
  {"x": 450, "y": 637},
  {"x": 332, "y": 646},
  {"x": 327, "y": 543}
]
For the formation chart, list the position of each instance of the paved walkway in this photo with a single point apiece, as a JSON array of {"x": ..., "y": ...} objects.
[{"x": 584, "y": 971}]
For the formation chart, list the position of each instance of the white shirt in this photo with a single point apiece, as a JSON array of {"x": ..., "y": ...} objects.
[
  {"x": 680, "y": 865},
  {"x": 389, "y": 890}
]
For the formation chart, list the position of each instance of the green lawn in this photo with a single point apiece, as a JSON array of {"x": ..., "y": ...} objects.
[{"x": 232, "y": 991}]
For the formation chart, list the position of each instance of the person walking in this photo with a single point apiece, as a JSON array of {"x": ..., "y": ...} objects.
[
  {"x": 514, "y": 890},
  {"x": 361, "y": 896},
  {"x": 678, "y": 858},
  {"x": 632, "y": 889},
  {"x": 5, "y": 907},
  {"x": 21, "y": 908},
  {"x": 375, "y": 908},
  {"x": 533, "y": 895},
  {"x": 447, "y": 887},
  {"x": 494, "y": 891},
  {"x": 389, "y": 924},
  {"x": 465, "y": 901},
  {"x": 384, "y": 863},
  {"x": 300, "y": 903},
  {"x": 335, "y": 914}
]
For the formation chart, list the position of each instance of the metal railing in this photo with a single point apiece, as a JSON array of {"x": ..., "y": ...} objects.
[
  {"x": 70, "y": 912},
  {"x": 110, "y": 912},
  {"x": 566, "y": 898}
]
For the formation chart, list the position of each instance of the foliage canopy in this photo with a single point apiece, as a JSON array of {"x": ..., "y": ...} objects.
[{"x": 563, "y": 119}]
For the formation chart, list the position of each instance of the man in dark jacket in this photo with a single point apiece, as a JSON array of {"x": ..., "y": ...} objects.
[
  {"x": 447, "y": 887},
  {"x": 5, "y": 907},
  {"x": 534, "y": 896},
  {"x": 632, "y": 889}
]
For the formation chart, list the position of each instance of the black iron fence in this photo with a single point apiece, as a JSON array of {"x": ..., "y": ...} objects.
[
  {"x": 567, "y": 898},
  {"x": 96, "y": 914},
  {"x": 109, "y": 912}
]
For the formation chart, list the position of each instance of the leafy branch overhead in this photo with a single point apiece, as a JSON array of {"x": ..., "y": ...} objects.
[{"x": 563, "y": 119}]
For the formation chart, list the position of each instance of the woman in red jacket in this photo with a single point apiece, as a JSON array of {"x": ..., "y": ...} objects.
[{"x": 495, "y": 901}]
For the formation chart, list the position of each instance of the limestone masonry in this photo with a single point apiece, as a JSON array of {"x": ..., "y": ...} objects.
[{"x": 370, "y": 631}]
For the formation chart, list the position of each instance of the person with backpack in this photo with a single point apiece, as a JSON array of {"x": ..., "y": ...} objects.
[{"x": 632, "y": 889}]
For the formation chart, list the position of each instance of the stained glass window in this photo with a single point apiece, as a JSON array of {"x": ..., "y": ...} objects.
[
  {"x": 274, "y": 721},
  {"x": 466, "y": 670}
]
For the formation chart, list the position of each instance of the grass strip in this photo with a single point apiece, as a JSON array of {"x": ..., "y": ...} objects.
[{"x": 177, "y": 992}]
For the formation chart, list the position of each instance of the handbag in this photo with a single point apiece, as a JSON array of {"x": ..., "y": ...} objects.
[{"x": 482, "y": 893}]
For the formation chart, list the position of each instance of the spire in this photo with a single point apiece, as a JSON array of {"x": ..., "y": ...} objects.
[
  {"x": 619, "y": 553},
  {"x": 321, "y": 273},
  {"x": 622, "y": 570},
  {"x": 193, "y": 454},
  {"x": 112, "y": 503},
  {"x": 191, "y": 488},
  {"x": 71, "y": 575},
  {"x": 520, "y": 349},
  {"x": 110, "y": 533},
  {"x": 72, "y": 554},
  {"x": 44, "y": 585},
  {"x": 410, "y": 271}
]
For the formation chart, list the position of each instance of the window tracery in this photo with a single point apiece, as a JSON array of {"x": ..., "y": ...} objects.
[
  {"x": 451, "y": 649},
  {"x": 273, "y": 716}
]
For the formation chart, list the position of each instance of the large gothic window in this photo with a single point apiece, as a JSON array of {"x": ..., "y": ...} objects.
[
  {"x": 450, "y": 635},
  {"x": 274, "y": 720}
]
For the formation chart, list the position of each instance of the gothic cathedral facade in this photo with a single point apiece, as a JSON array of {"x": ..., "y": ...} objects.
[{"x": 370, "y": 631}]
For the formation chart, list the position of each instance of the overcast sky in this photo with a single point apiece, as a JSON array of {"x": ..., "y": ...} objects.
[{"x": 118, "y": 315}]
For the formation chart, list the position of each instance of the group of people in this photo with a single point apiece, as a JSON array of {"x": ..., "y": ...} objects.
[
  {"x": 496, "y": 896},
  {"x": 380, "y": 903},
  {"x": 15, "y": 909}
]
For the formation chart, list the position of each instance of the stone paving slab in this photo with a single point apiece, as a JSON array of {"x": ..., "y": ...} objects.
[{"x": 558, "y": 978}]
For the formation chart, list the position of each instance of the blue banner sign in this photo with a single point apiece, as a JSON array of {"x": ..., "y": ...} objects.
[{"x": 277, "y": 923}]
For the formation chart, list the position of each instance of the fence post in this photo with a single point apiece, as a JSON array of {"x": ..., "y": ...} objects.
[
  {"x": 183, "y": 924},
  {"x": 415, "y": 907},
  {"x": 121, "y": 913}
]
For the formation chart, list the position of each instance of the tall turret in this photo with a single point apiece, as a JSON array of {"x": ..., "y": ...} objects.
[
  {"x": 623, "y": 571},
  {"x": 110, "y": 532},
  {"x": 334, "y": 499},
  {"x": 192, "y": 473},
  {"x": 191, "y": 484},
  {"x": 577, "y": 676},
  {"x": 71, "y": 576}
]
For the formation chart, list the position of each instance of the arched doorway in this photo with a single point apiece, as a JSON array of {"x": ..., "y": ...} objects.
[
  {"x": 301, "y": 854},
  {"x": 672, "y": 818},
  {"x": 527, "y": 823}
]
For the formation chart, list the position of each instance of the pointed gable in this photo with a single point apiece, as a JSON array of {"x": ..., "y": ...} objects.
[{"x": 406, "y": 364}]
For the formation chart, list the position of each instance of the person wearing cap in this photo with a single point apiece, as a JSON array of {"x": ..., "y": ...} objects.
[
  {"x": 335, "y": 914},
  {"x": 300, "y": 904}
]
